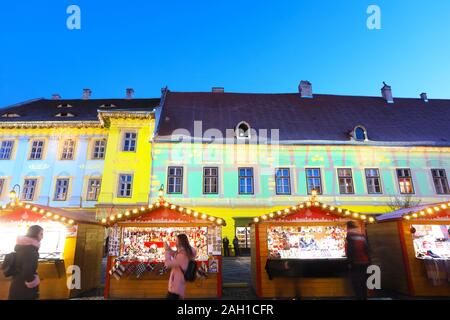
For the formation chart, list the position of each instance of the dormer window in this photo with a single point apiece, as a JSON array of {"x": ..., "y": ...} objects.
[
  {"x": 243, "y": 130},
  {"x": 64, "y": 115},
  {"x": 65, "y": 105},
  {"x": 108, "y": 105},
  {"x": 360, "y": 133},
  {"x": 10, "y": 115}
]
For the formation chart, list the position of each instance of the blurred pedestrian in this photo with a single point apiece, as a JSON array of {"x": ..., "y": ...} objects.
[
  {"x": 357, "y": 251},
  {"x": 226, "y": 247},
  {"x": 236, "y": 246}
]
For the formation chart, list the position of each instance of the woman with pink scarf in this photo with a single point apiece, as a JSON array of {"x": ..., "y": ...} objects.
[{"x": 25, "y": 281}]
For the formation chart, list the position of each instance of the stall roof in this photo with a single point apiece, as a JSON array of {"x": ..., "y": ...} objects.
[
  {"x": 137, "y": 212},
  {"x": 420, "y": 211},
  {"x": 313, "y": 203},
  {"x": 56, "y": 214}
]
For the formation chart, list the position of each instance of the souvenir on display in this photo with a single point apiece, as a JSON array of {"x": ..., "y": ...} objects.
[{"x": 307, "y": 242}]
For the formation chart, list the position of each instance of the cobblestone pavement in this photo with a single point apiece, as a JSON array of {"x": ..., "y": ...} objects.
[{"x": 236, "y": 270}]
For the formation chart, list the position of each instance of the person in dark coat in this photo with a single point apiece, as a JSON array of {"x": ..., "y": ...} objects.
[
  {"x": 236, "y": 246},
  {"x": 226, "y": 247},
  {"x": 25, "y": 281},
  {"x": 357, "y": 251}
]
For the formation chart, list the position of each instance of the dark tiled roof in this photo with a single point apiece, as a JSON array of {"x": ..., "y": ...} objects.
[
  {"x": 321, "y": 118},
  {"x": 84, "y": 110}
]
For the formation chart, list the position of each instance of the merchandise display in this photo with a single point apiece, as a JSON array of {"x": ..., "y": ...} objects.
[
  {"x": 243, "y": 235},
  {"x": 431, "y": 241},
  {"x": 306, "y": 242},
  {"x": 146, "y": 244},
  {"x": 52, "y": 245}
]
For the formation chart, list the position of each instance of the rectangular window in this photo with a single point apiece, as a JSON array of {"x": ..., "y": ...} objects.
[
  {"x": 440, "y": 181},
  {"x": 29, "y": 188},
  {"x": 345, "y": 180},
  {"x": 246, "y": 181},
  {"x": 61, "y": 189},
  {"x": 2, "y": 185},
  {"x": 129, "y": 141},
  {"x": 210, "y": 180},
  {"x": 125, "y": 185},
  {"x": 99, "y": 149},
  {"x": 68, "y": 149},
  {"x": 373, "y": 181},
  {"x": 93, "y": 189},
  {"x": 313, "y": 180},
  {"x": 6, "y": 149},
  {"x": 405, "y": 182},
  {"x": 37, "y": 149},
  {"x": 175, "y": 180},
  {"x": 283, "y": 181}
]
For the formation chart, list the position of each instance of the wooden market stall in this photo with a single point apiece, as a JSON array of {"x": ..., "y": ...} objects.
[
  {"x": 412, "y": 247},
  {"x": 70, "y": 239},
  {"x": 136, "y": 251},
  {"x": 300, "y": 251}
]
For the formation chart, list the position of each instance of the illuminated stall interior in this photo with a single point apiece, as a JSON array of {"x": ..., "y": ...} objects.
[
  {"x": 136, "y": 251},
  {"x": 412, "y": 247},
  {"x": 300, "y": 251},
  {"x": 70, "y": 238}
]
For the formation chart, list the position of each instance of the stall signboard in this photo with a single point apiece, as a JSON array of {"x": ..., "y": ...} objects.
[
  {"x": 431, "y": 241},
  {"x": 307, "y": 242}
]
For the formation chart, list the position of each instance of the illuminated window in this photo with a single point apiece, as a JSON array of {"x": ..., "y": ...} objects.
[
  {"x": 440, "y": 181},
  {"x": 37, "y": 150},
  {"x": 283, "y": 181},
  {"x": 129, "y": 141},
  {"x": 99, "y": 149},
  {"x": 68, "y": 149},
  {"x": 175, "y": 180},
  {"x": 243, "y": 130},
  {"x": 373, "y": 181},
  {"x": 61, "y": 189},
  {"x": 29, "y": 188},
  {"x": 246, "y": 180},
  {"x": 6, "y": 148},
  {"x": 210, "y": 180},
  {"x": 345, "y": 181},
  {"x": 405, "y": 181},
  {"x": 125, "y": 185},
  {"x": 93, "y": 189},
  {"x": 313, "y": 180}
]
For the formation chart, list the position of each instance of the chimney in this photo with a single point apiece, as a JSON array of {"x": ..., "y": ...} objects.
[
  {"x": 424, "y": 97},
  {"x": 218, "y": 90},
  {"x": 86, "y": 94},
  {"x": 305, "y": 89},
  {"x": 386, "y": 92},
  {"x": 56, "y": 96},
  {"x": 129, "y": 93}
]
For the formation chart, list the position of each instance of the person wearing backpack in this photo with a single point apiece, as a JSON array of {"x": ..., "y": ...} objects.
[
  {"x": 25, "y": 281},
  {"x": 182, "y": 265}
]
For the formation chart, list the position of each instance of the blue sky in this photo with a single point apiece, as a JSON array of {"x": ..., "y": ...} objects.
[{"x": 242, "y": 45}]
